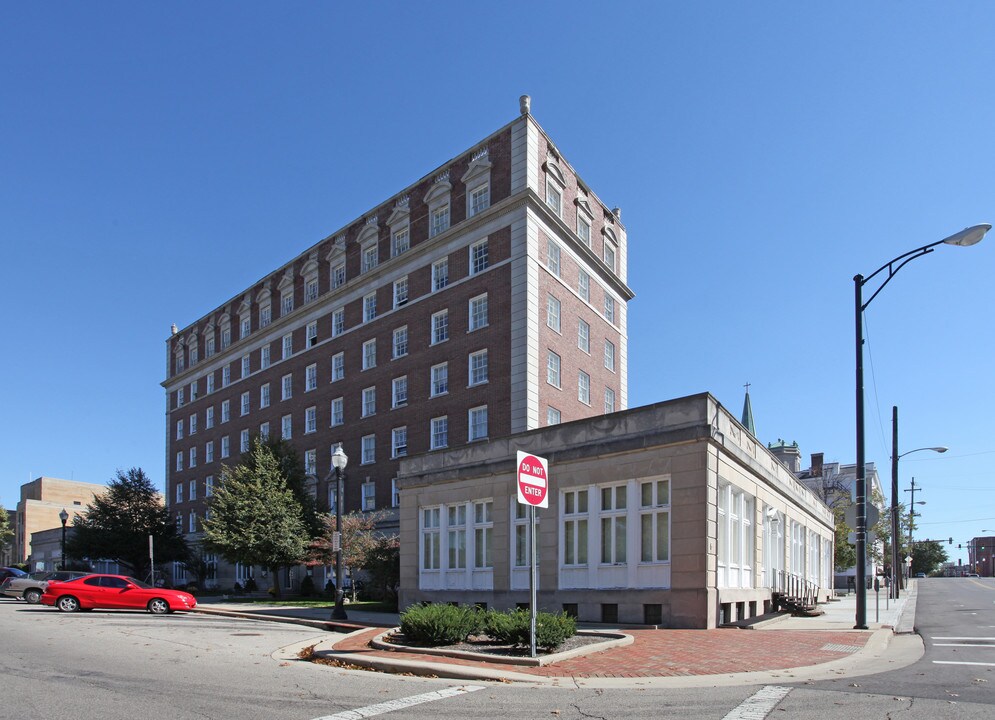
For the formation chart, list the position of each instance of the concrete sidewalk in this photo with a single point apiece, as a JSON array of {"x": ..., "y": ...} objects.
[{"x": 788, "y": 649}]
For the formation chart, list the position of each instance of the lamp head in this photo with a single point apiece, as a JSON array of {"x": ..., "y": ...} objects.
[
  {"x": 339, "y": 458},
  {"x": 63, "y": 516},
  {"x": 968, "y": 236}
]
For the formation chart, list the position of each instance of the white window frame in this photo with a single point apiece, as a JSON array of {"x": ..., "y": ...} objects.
[
  {"x": 399, "y": 442},
  {"x": 479, "y": 257},
  {"x": 338, "y": 322},
  {"x": 399, "y": 342},
  {"x": 584, "y": 335},
  {"x": 477, "y": 313},
  {"x": 245, "y": 404},
  {"x": 338, "y": 366},
  {"x": 440, "y": 274},
  {"x": 370, "y": 354},
  {"x": 399, "y": 391},
  {"x": 337, "y": 412},
  {"x": 440, "y": 326},
  {"x": 584, "y": 387},
  {"x": 609, "y": 355},
  {"x": 287, "y": 386},
  {"x": 477, "y": 430},
  {"x": 310, "y": 420},
  {"x": 264, "y": 396},
  {"x": 553, "y": 364},
  {"x": 553, "y": 257},
  {"x": 477, "y": 370},
  {"x": 654, "y": 520},
  {"x": 369, "y": 406},
  {"x": 439, "y": 379},
  {"x": 287, "y": 427},
  {"x": 311, "y": 377},
  {"x": 439, "y": 432},
  {"x": 369, "y": 307},
  {"x": 553, "y": 312},
  {"x": 368, "y": 452},
  {"x": 401, "y": 292}
]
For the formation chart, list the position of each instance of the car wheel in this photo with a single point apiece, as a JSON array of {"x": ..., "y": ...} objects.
[
  {"x": 158, "y": 606},
  {"x": 32, "y": 596},
  {"x": 67, "y": 603}
]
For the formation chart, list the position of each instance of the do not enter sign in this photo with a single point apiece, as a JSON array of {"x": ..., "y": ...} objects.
[{"x": 533, "y": 480}]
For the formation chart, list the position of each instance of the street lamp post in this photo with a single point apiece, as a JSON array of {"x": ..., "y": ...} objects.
[
  {"x": 64, "y": 517},
  {"x": 339, "y": 461},
  {"x": 966, "y": 237},
  {"x": 895, "y": 455}
]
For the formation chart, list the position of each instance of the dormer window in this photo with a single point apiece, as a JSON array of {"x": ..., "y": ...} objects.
[
  {"x": 437, "y": 199},
  {"x": 310, "y": 274},
  {"x": 265, "y": 308},
  {"x": 610, "y": 251},
  {"x": 584, "y": 219},
  {"x": 368, "y": 240},
  {"x": 286, "y": 288},
  {"x": 245, "y": 318},
  {"x": 399, "y": 223},
  {"x": 336, "y": 261},
  {"x": 225, "y": 331},
  {"x": 477, "y": 180},
  {"x": 555, "y": 185}
]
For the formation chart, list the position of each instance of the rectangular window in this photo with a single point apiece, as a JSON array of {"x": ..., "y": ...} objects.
[
  {"x": 609, "y": 400},
  {"x": 225, "y": 338},
  {"x": 456, "y": 526},
  {"x": 193, "y": 391},
  {"x": 225, "y": 411},
  {"x": 480, "y": 199},
  {"x": 337, "y": 412},
  {"x": 609, "y": 308},
  {"x": 179, "y": 429},
  {"x": 553, "y": 313},
  {"x": 584, "y": 336},
  {"x": 553, "y": 369},
  {"x": 209, "y": 349},
  {"x": 553, "y": 196},
  {"x": 288, "y": 345},
  {"x": 370, "y": 257},
  {"x": 286, "y": 427},
  {"x": 246, "y": 328},
  {"x": 575, "y": 527},
  {"x": 613, "y": 524},
  {"x": 286, "y": 303},
  {"x": 369, "y": 496},
  {"x": 264, "y": 396},
  {"x": 287, "y": 387},
  {"x": 311, "y": 462},
  {"x": 478, "y": 312},
  {"x": 193, "y": 458},
  {"x": 310, "y": 291},
  {"x": 395, "y": 494},
  {"x": 477, "y": 423},
  {"x": 179, "y": 397},
  {"x": 401, "y": 292},
  {"x": 440, "y": 274},
  {"x": 370, "y": 354},
  {"x": 311, "y": 334},
  {"x": 209, "y": 420},
  {"x": 210, "y": 383},
  {"x": 193, "y": 356},
  {"x": 483, "y": 531},
  {"x": 310, "y": 420},
  {"x": 209, "y": 451},
  {"x": 179, "y": 492},
  {"x": 400, "y": 342},
  {"x": 338, "y": 366},
  {"x": 610, "y": 255},
  {"x": 209, "y": 486},
  {"x": 400, "y": 242},
  {"x": 584, "y": 285},
  {"x": 399, "y": 442},
  {"x": 440, "y": 220},
  {"x": 369, "y": 449},
  {"x": 338, "y": 322},
  {"x": 440, "y": 432},
  {"x": 552, "y": 416},
  {"x": 225, "y": 447},
  {"x": 369, "y": 401},
  {"x": 440, "y": 326},
  {"x": 430, "y": 540},
  {"x": 265, "y": 315},
  {"x": 264, "y": 357},
  {"x": 399, "y": 392},
  {"x": 584, "y": 229},
  {"x": 245, "y": 404},
  {"x": 264, "y": 431},
  {"x": 338, "y": 275},
  {"x": 243, "y": 441},
  {"x": 226, "y": 376},
  {"x": 609, "y": 355},
  {"x": 584, "y": 387},
  {"x": 553, "y": 257},
  {"x": 440, "y": 379},
  {"x": 370, "y": 307},
  {"x": 478, "y": 257},
  {"x": 478, "y": 367},
  {"x": 311, "y": 378},
  {"x": 245, "y": 366}
]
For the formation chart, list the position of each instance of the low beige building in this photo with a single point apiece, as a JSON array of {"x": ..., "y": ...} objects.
[
  {"x": 670, "y": 514},
  {"x": 41, "y": 502}
]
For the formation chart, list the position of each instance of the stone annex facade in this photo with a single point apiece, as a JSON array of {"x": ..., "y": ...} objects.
[
  {"x": 670, "y": 514},
  {"x": 487, "y": 298}
]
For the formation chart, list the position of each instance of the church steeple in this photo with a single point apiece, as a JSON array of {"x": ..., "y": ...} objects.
[{"x": 748, "y": 413}]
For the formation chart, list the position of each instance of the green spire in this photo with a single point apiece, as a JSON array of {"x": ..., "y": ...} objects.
[{"x": 748, "y": 413}]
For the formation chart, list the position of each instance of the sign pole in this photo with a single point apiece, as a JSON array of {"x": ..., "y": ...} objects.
[
  {"x": 532, "y": 478},
  {"x": 533, "y": 580},
  {"x": 151, "y": 562}
]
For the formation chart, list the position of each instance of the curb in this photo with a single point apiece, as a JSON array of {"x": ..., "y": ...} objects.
[{"x": 329, "y": 625}]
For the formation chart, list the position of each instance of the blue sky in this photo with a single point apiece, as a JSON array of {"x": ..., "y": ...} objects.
[{"x": 157, "y": 159}]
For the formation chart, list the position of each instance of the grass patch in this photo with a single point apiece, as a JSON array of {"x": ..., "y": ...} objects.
[{"x": 363, "y": 605}]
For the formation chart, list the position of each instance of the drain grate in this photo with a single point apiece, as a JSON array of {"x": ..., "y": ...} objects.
[{"x": 836, "y": 647}]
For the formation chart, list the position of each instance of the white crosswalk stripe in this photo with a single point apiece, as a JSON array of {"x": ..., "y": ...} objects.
[
  {"x": 759, "y": 705},
  {"x": 400, "y": 703}
]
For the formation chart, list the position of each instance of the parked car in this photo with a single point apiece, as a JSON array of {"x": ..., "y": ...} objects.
[
  {"x": 117, "y": 592},
  {"x": 920, "y": 575},
  {"x": 6, "y": 572},
  {"x": 32, "y": 587},
  {"x": 971, "y": 575}
]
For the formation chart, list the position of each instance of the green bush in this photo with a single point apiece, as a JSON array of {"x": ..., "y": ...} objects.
[
  {"x": 552, "y": 629},
  {"x": 437, "y": 624}
]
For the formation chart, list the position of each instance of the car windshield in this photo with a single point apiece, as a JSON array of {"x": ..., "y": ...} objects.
[
  {"x": 139, "y": 583},
  {"x": 17, "y": 573}
]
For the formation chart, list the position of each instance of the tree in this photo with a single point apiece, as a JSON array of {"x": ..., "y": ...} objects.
[
  {"x": 927, "y": 556},
  {"x": 255, "y": 518},
  {"x": 845, "y": 554},
  {"x": 6, "y": 531},
  {"x": 292, "y": 468},
  {"x": 363, "y": 548},
  {"x": 383, "y": 564},
  {"x": 118, "y": 523}
]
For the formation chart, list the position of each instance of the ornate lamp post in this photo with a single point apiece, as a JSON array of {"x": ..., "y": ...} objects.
[
  {"x": 966, "y": 237},
  {"x": 339, "y": 461},
  {"x": 64, "y": 517}
]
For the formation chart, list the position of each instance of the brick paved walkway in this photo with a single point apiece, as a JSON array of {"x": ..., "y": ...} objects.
[{"x": 669, "y": 653}]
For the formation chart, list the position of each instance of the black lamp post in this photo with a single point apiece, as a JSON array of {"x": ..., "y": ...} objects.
[
  {"x": 64, "y": 517},
  {"x": 339, "y": 461},
  {"x": 968, "y": 236}
]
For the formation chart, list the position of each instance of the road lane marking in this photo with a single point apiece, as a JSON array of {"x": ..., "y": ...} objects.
[
  {"x": 758, "y": 705},
  {"x": 977, "y": 645},
  {"x": 401, "y": 703},
  {"x": 983, "y": 639},
  {"x": 954, "y": 662}
]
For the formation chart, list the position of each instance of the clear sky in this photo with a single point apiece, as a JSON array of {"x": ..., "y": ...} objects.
[{"x": 158, "y": 158}]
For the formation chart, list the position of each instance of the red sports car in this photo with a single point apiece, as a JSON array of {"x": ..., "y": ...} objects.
[{"x": 116, "y": 592}]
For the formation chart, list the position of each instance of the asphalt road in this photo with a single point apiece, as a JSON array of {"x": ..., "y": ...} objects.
[{"x": 117, "y": 665}]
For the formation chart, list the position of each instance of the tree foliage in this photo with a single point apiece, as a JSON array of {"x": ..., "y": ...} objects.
[
  {"x": 845, "y": 554},
  {"x": 118, "y": 523},
  {"x": 255, "y": 518},
  {"x": 6, "y": 531},
  {"x": 927, "y": 556},
  {"x": 363, "y": 548},
  {"x": 292, "y": 468}
]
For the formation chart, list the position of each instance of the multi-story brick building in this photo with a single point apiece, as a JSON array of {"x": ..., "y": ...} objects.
[{"x": 487, "y": 298}]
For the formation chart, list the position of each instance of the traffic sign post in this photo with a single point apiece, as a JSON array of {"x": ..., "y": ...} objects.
[{"x": 532, "y": 478}]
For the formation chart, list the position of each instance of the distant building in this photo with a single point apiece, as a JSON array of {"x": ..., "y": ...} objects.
[
  {"x": 41, "y": 502},
  {"x": 980, "y": 553}
]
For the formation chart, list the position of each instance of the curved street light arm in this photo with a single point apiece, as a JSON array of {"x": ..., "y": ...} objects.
[{"x": 893, "y": 269}]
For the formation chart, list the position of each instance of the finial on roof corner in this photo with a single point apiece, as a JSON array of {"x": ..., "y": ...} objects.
[
  {"x": 525, "y": 104},
  {"x": 173, "y": 330},
  {"x": 617, "y": 212}
]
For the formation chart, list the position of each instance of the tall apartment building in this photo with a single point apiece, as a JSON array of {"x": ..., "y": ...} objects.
[{"x": 485, "y": 299}]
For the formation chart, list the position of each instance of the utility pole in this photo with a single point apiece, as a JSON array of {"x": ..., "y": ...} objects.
[{"x": 912, "y": 514}]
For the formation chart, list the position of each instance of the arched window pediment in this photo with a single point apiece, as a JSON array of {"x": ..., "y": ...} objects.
[
  {"x": 399, "y": 216},
  {"x": 479, "y": 168},
  {"x": 310, "y": 268},
  {"x": 439, "y": 191},
  {"x": 609, "y": 234},
  {"x": 584, "y": 206},
  {"x": 370, "y": 231},
  {"x": 336, "y": 250},
  {"x": 553, "y": 170},
  {"x": 287, "y": 281},
  {"x": 245, "y": 306},
  {"x": 263, "y": 295}
]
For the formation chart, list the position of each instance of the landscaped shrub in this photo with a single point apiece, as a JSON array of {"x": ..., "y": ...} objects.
[
  {"x": 307, "y": 586},
  {"x": 552, "y": 629},
  {"x": 437, "y": 624}
]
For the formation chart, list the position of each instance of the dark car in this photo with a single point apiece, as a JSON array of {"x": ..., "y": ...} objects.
[
  {"x": 32, "y": 587},
  {"x": 6, "y": 572}
]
